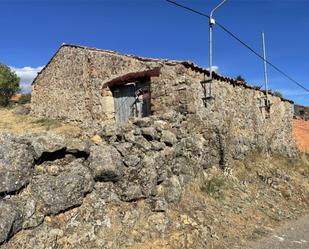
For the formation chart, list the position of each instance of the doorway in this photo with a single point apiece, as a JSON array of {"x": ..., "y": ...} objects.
[{"x": 131, "y": 100}]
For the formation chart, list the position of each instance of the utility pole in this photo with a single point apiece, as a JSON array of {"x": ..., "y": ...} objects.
[
  {"x": 211, "y": 26},
  {"x": 265, "y": 68}
]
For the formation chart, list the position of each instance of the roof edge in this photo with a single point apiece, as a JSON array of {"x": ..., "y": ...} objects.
[{"x": 187, "y": 64}]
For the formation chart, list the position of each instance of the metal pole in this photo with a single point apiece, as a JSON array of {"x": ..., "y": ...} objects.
[
  {"x": 211, "y": 24},
  {"x": 210, "y": 53},
  {"x": 265, "y": 67}
]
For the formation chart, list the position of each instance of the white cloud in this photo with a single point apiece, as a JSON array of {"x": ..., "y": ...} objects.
[{"x": 26, "y": 75}]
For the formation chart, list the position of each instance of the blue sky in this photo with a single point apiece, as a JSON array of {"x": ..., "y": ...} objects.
[{"x": 32, "y": 30}]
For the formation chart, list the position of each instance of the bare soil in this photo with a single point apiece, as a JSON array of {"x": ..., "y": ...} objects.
[{"x": 301, "y": 134}]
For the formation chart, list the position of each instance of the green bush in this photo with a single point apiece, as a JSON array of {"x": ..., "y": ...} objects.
[
  {"x": 24, "y": 99},
  {"x": 9, "y": 84},
  {"x": 214, "y": 186},
  {"x": 277, "y": 93}
]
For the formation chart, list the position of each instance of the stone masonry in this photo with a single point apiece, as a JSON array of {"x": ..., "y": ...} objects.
[{"x": 74, "y": 87}]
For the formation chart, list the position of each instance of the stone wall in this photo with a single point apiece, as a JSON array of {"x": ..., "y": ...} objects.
[{"x": 70, "y": 88}]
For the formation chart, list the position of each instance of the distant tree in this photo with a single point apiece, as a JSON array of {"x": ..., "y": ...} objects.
[
  {"x": 277, "y": 93},
  {"x": 240, "y": 78},
  {"x": 25, "y": 98},
  {"x": 9, "y": 84}
]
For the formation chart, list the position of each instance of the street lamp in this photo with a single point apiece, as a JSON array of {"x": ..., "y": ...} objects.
[{"x": 211, "y": 25}]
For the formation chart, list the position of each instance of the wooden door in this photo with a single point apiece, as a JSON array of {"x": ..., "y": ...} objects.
[{"x": 124, "y": 100}]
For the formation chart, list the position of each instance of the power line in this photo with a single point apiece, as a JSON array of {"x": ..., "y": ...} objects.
[{"x": 243, "y": 43}]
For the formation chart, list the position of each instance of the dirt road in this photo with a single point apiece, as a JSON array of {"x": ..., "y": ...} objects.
[{"x": 292, "y": 235}]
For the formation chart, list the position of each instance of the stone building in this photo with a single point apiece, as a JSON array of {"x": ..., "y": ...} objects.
[{"x": 91, "y": 87}]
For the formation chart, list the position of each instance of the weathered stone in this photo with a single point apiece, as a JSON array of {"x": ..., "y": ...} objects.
[
  {"x": 16, "y": 161},
  {"x": 123, "y": 148},
  {"x": 143, "y": 122},
  {"x": 10, "y": 220},
  {"x": 159, "y": 205},
  {"x": 131, "y": 160},
  {"x": 150, "y": 133},
  {"x": 142, "y": 143},
  {"x": 161, "y": 125},
  {"x": 156, "y": 145},
  {"x": 132, "y": 192},
  {"x": 33, "y": 216},
  {"x": 105, "y": 163},
  {"x": 130, "y": 137},
  {"x": 173, "y": 189},
  {"x": 177, "y": 96},
  {"x": 58, "y": 193},
  {"x": 47, "y": 143},
  {"x": 168, "y": 137},
  {"x": 148, "y": 176},
  {"x": 75, "y": 145}
]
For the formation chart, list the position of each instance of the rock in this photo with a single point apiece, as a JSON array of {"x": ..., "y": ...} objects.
[
  {"x": 157, "y": 145},
  {"x": 143, "y": 122},
  {"x": 160, "y": 125},
  {"x": 109, "y": 130},
  {"x": 129, "y": 137},
  {"x": 47, "y": 143},
  {"x": 16, "y": 161},
  {"x": 96, "y": 139},
  {"x": 105, "y": 163},
  {"x": 159, "y": 205},
  {"x": 132, "y": 192},
  {"x": 123, "y": 148},
  {"x": 150, "y": 133},
  {"x": 75, "y": 145},
  {"x": 172, "y": 189},
  {"x": 33, "y": 216},
  {"x": 168, "y": 138},
  {"x": 142, "y": 143},
  {"x": 58, "y": 193},
  {"x": 10, "y": 220},
  {"x": 148, "y": 176},
  {"x": 131, "y": 160}
]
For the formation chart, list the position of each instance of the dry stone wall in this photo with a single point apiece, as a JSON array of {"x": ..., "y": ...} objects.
[{"x": 70, "y": 88}]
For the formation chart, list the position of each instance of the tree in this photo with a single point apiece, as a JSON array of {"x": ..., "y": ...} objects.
[
  {"x": 240, "y": 78},
  {"x": 9, "y": 84},
  {"x": 278, "y": 94},
  {"x": 25, "y": 98}
]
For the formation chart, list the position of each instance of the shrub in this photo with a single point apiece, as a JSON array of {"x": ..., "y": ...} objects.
[
  {"x": 277, "y": 93},
  {"x": 24, "y": 99},
  {"x": 9, "y": 84},
  {"x": 214, "y": 186}
]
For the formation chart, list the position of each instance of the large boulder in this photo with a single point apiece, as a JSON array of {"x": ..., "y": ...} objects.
[
  {"x": 66, "y": 190},
  {"x": 16, "y": 161},
  {"x": 105, "y": 163}
]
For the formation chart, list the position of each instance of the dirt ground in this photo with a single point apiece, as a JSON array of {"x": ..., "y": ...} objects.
[{"x": 301, "y": 134}]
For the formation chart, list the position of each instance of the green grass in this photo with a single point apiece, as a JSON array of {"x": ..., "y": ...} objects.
[
  {"x": 214, "y": 186},
  {"x": 48, "y": 123}
]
